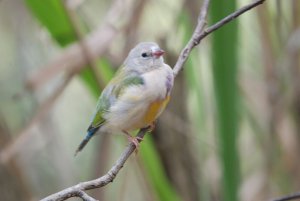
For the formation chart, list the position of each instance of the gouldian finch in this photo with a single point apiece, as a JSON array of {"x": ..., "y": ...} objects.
[{"x": 136, "y": 96}]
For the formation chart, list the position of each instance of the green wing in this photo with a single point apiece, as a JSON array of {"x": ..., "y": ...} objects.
[{"x": 112, "y": 91}]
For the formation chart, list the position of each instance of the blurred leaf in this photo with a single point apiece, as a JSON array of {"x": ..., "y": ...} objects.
[
  {"x": 87, "y": 76},
  {"x": 106, "y": 69},
  {"x": 224, "y": 60},
  {"x": 51, "y": 14}
]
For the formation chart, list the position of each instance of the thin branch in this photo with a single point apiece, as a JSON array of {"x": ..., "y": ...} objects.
[
  {"x": 102, "y": 181},
  {"x": 194, "y": 41},
  {"x": 289, "y": 197},
  {"x": 84, "y": 196},
  {"x": 197, "y": 36},
  {"x": 231, "y": 17}
]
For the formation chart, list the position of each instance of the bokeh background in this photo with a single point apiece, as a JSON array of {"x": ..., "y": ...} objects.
[{"x": 231, "y": 131}]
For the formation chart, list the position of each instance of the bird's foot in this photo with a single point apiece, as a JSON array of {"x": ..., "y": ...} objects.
[{"x": 135, "y": 140}]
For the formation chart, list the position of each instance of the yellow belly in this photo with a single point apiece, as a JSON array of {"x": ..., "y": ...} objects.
[{"x": 155, "y": 109}]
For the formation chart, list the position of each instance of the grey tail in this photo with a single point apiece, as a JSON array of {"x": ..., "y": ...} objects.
[{"x": 90, "y": 134}]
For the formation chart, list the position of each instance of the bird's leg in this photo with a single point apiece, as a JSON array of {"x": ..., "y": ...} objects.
[
  {"x": 152, "y": 126},
  {"x": 134, "y": 140}
]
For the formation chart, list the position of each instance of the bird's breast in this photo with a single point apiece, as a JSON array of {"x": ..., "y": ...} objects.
[
  {"x": 158, "y": 85},
  {"x": 140, "y": 105}
]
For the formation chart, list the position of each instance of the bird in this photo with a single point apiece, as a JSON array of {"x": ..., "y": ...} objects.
[{"x": 135, "y": 97}]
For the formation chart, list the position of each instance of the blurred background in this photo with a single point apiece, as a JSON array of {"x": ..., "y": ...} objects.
[{"x": 231, "y": 131}]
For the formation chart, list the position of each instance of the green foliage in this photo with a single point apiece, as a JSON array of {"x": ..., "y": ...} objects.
[
  {"x": 224, "y": 60},
  {"x": 106, "y": 69},
  {"x": 51, "y": 14},
  {"x": 89, "y": 79}
]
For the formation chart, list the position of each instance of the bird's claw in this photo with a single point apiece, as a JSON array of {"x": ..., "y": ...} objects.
[{"x": 135, "y": 140}]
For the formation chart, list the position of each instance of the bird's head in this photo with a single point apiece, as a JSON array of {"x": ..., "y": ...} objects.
[{"x": 145, "y": 56}]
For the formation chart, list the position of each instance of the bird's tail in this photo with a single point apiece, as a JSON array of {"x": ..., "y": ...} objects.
[{"x": 87, "y": 138}]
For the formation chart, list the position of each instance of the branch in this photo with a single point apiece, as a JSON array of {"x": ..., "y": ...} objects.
[
  {"x": 194, "y": 41},
  {"x": 196, "y": 38},
  {"x": 199, "y": 34},
  {"x": 289, "y": 197},
  {"x": 84, "y": 196},
  {"x": 102, "y": 181}
]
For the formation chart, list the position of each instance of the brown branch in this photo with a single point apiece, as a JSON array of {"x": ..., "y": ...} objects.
[
  {"x": 194, "y": 41},
  {"x": 102, "y": 181},
  {"x": 289, "y": 197},
  {"x": 84, "y": 196},
  {"x": 197, "y": 36}
]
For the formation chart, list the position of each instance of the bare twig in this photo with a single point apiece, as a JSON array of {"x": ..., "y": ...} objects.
[
  {"x": 289, "y": 197},
  {"x": 194, "y": 41},
  {"x": 102, "y": 181},
  {"x": 197, "y": 36},
  {"x": 84, "y": 196}
]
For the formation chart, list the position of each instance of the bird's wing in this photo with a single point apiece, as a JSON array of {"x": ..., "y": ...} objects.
[{"x": 112, "y": 91}]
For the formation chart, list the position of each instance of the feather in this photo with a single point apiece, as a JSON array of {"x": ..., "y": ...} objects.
[{"x": 90, "y": 134}]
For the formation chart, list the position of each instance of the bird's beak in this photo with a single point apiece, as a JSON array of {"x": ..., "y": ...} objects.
[{"x": 157, "y": 53}]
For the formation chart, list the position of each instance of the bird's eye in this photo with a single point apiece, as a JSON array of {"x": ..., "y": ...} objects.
[{"x": 144, "y": 55}]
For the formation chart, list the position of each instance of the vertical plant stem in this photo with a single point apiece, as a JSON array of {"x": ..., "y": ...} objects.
[{"x": 224, "y": 60}]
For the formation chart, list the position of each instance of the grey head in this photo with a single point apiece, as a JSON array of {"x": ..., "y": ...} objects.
[{"x": 144, "y": 57}]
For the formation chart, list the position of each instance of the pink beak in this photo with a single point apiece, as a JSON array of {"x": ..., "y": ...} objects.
[{"x": 158, "y": 53}]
